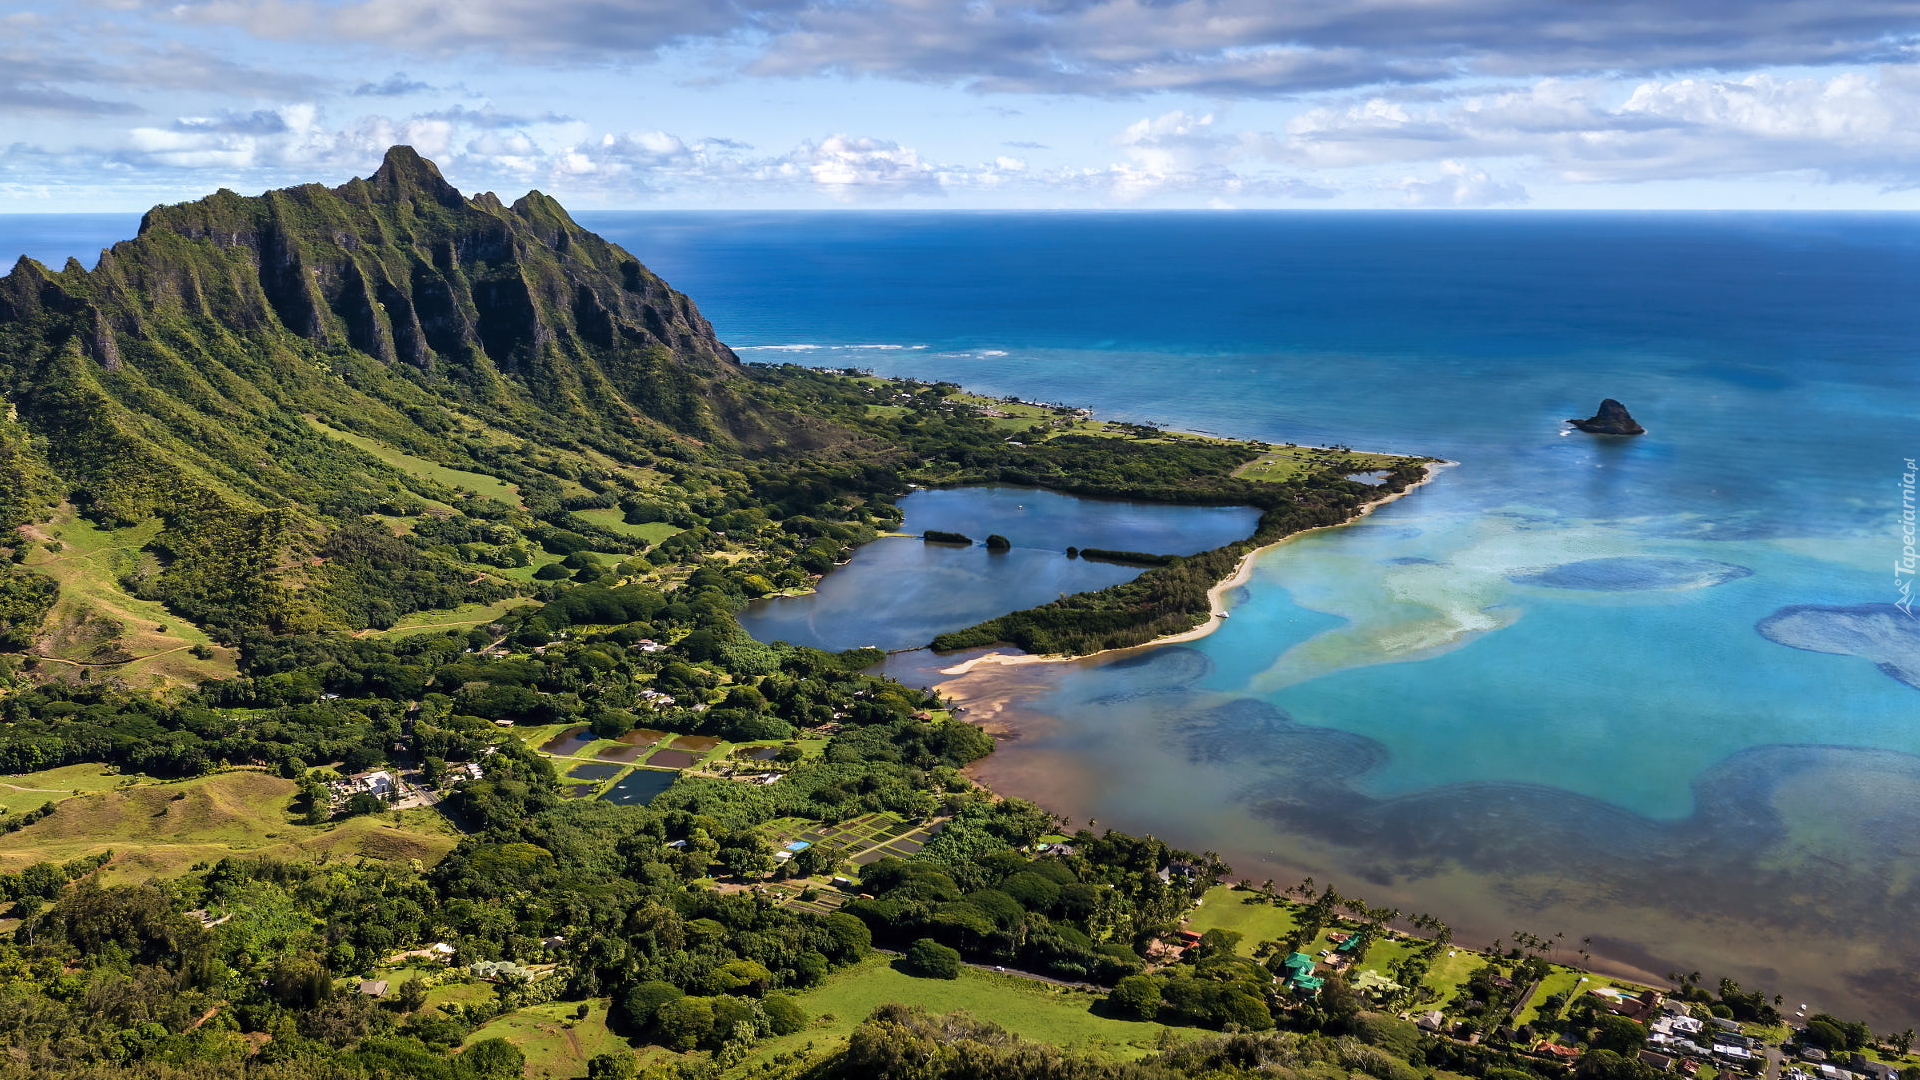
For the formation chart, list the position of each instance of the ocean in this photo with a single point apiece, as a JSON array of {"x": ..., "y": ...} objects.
[{"x": 1657, "y": 692}]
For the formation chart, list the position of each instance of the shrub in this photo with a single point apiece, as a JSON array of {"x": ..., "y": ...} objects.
[
  {"x": 784, "y": 1013},
  {"x": 1137, "y": 997},
  {"x": 929, "y": 959}
]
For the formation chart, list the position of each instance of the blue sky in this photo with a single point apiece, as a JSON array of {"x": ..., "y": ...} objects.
[{"x": 1813, "y": 104}]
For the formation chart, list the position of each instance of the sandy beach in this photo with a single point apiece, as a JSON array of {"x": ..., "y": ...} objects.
[{"x": 1216, "y": 596}]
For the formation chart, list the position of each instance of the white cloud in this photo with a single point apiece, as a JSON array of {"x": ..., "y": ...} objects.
[
  {"x": 855, "y": 170},
  {"x": 1181, "y": 154},
  {"x": 1460, "y": 186},
  {"x": 1850, "y": 126},
  {"x": 292, "y": 138}
]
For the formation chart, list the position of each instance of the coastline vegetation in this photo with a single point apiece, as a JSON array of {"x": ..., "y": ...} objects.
[
  {"x": 451, "y": 525},
  {"x": 1173, "y": 597}
]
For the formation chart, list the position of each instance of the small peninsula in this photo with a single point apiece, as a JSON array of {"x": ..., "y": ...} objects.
[{"x": 376, "y": 702}]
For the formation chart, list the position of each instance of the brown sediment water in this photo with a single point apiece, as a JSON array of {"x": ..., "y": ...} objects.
[
  {"x": 1776, "y": 880},
  {"x": 570, "y": 741},
  {"x": 702, "y": 743},
  {"x": 672, "y": 759}
]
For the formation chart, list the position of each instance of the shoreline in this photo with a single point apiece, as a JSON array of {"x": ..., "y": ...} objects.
[{"x": 1216, "y": 594}]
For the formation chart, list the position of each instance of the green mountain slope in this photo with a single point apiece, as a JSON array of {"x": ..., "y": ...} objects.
[{"x": 199, "y": 373}]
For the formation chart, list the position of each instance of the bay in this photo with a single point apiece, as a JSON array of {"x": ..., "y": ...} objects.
[
  {"x": 1537, "y": 693},
  {"x": 1646, "y": 691}
]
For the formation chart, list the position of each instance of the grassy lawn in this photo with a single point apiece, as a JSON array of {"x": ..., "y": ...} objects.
[
  {"x": 160, "y": 830},
  {"x": 556, "y": 1044},
  {"x": 524, "y": 574},
  {"x": 1450, "y": 973},
  {"x": 464, "y": 993},
  {"x": 463, "y": 617},
  {"x": 652, "y": 532},
  {"x": 1558, "y": 982},
  {"x": 1024, "y": 1007},
  {"x": 1224, "y": 909},
  {"x": 1290, "y": 462},
  {"x": 96, "y": 619},
  {"x": 479, "y": 483}
]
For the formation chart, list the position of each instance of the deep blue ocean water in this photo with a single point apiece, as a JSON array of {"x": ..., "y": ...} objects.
[{"x": 1536, "y": 693}]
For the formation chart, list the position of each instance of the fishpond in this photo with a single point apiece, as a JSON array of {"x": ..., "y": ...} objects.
[{"x": 900, "y": 592}]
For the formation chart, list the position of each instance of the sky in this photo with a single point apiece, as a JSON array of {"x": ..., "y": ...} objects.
[{"x": 116, "y": 105}]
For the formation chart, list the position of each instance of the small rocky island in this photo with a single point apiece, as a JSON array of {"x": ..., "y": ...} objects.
[{"x": 1612, "y": 419}]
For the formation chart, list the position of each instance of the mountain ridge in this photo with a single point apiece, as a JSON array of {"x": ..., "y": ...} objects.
[{"x": 179, "y": 377}]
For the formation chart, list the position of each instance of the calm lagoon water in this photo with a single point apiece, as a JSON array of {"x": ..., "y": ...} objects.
[
  {"x": 1650, "y": 691},
  {"x": 900, "y": 592},
  {"x": 1535, "y": 694}
]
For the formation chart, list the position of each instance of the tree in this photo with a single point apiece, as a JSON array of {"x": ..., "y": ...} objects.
[
  {"x": 929, "y": 959},
  {"x": 739, "y": 977},
  {"x": 495, "y": 1059},
  {"x": 784, "y": 1014},
  {"x": 849, "y": 936},
  {"x": 745, "y": 861},
  {"x": 1619, "y": 1034},
  {"x": 1238, "y": 1008},
  {"x": 684, "y": 1023},
  {"x": 643, "y": 1002},
  {"x": 1136, "y": 997},
  {"x": 612, "y": 1066},
  {"x": 412, "y": 995},
  {"x": 1607, "y": 1065}
]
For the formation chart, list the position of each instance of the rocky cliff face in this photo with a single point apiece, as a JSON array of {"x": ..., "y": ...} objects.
[
  {"x": 1612, "y": 419},
  {"x": 182, "y": 376},
  {"x": 403, "y": 268}
]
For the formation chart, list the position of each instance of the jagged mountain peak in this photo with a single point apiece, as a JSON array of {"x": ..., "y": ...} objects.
[
  {"x": 188, "y": 375},
  {"x": 403, "y": 173}
]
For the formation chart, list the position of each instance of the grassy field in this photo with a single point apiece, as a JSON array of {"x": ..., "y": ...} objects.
[
  {"x": 30, "y": 791},
  {"x": 1280, "y": 463},
  {"x": 652, "y": 532},
  {"x": 479, "y": 483},
  {"x": 96, "y": 621},
  {"x": 464, "y": 993},
  {"x": 557, "y": 1044},
  {"x": 1024, "y": 1007},
  {"x": 160, "y": 830},
  {"x": 463, "y": 617},
  {"x": 1223, "y": 909}
]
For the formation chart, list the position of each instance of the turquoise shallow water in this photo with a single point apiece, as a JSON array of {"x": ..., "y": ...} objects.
[{"x": 1534, "y": 694}]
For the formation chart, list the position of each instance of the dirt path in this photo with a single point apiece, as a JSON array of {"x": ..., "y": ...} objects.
[{"x": 109, "y": 663}]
